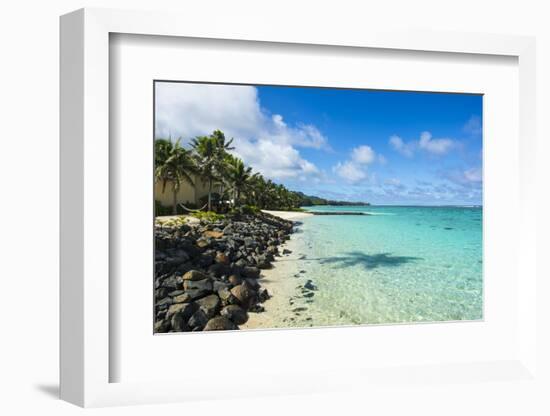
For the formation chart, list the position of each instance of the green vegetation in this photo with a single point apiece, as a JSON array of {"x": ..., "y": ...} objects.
[
  {"x": 245, "y": 209},
  {"x": 210, "y": 216},
  {"x": 173, "y": 165},
  {"x": 172, "y": 222},
  {"x": 240, "y": 190},
  {"x": 210, "y": 154},
  {"x": 307, "y": 201},
  {"x": 239, "y": 177},
  {"x": 161, "y": 210}
]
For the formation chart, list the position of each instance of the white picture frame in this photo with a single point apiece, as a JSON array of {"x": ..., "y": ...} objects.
[{"x": 85, "y": 217}]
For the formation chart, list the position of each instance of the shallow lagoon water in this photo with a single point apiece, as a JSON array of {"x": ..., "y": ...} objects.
[{"x": 399, "y": 264}]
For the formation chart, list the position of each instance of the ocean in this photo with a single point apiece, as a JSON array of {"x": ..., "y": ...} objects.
[{"x": 399, "y": 264}]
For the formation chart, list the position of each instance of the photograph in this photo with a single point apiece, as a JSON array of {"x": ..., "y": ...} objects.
[{"x": 280, "y": 207}]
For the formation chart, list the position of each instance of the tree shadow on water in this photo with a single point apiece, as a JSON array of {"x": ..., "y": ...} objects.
[{"x": 369, "y": 261}]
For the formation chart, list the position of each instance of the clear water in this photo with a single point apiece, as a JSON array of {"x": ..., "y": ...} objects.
[{"x": 399, "y": 264}]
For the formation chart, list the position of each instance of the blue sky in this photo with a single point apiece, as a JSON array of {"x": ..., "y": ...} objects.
[{"x": 383, "y": 147}]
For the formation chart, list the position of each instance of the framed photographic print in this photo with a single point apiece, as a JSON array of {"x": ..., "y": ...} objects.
[
  {"x": 277, "y": 198},
  {"x": 263, "y": 220}
]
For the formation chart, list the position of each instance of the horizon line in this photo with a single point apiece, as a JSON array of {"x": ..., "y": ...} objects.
[{"x": 398, "y": 205}]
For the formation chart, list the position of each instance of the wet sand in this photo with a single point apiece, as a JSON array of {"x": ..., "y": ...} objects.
[{"x": 280, "y": 281}]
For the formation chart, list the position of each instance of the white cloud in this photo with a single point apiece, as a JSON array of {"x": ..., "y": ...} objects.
[
  {"x": 278, "y": 121},
  {"x": 434, "y": 146},
  {"x": 303, "y": 135},
  {"x": 349, "y": 171},
  {"x": 355, "y": 169},
  {"x": 188, "y": 110},
  {"x": 392, "y": 181},
  {"x": 307, "y": 135},
  {"x": 426, "y": 143},
  {"x": 382, "y": 160},
  {"x": 278, "y": 160},
  {"x": 471, "y": 178},
  {"x": 265, "y": 142},
  {"x": 363, "y": 155},
  {"x": 406, "y": 149},
  {"x": 393, "y": 186},
  {"x": 473, "y": 175},
  {"x": 473, "y": 126}
]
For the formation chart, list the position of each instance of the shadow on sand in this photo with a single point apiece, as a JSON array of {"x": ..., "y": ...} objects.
[{"x": 369, "y": 261}]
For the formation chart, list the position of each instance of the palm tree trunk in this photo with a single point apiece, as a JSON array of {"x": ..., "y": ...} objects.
[
  {"x": 174, "y": 201},
  {"x": 221, "y": 199},
  {"x": 210, "y": 195}
]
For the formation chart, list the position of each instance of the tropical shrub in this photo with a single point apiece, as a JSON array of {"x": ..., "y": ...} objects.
[
  {"x": 246, "y": 209},
  {"x": 210, "y": 216}
]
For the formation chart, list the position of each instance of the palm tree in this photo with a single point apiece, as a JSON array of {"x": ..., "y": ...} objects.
[
  {"x": 219, "y": 138},
  {"x": 211, "y": 156},
  {"x": 206, "y": 156},
  {"x": 257, "y": 191},
  {"x": 239, "y": 177},
  {"x": 174, "y": 165},
  {"x": 223, "y": 158}
]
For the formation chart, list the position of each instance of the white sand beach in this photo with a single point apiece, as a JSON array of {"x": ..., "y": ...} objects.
[
  {"x": 279, "y": 281},
  {"x": 289, "y": 215},
  {"x": 280, "y": 285}
]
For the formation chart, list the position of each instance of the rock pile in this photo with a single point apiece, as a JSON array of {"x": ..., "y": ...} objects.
[{"x": 206, "y": 275}]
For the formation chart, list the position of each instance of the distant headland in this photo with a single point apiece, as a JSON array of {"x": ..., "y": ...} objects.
[{"x": 308, "y": 200}]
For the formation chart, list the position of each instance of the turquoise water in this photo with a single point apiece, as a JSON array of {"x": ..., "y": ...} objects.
[{"x": 400, "y": 264}]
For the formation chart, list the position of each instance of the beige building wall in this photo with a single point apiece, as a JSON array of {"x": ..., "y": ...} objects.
[
  {"x": 187, "y": 193},
  {"x": 201, "y": 189}
]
